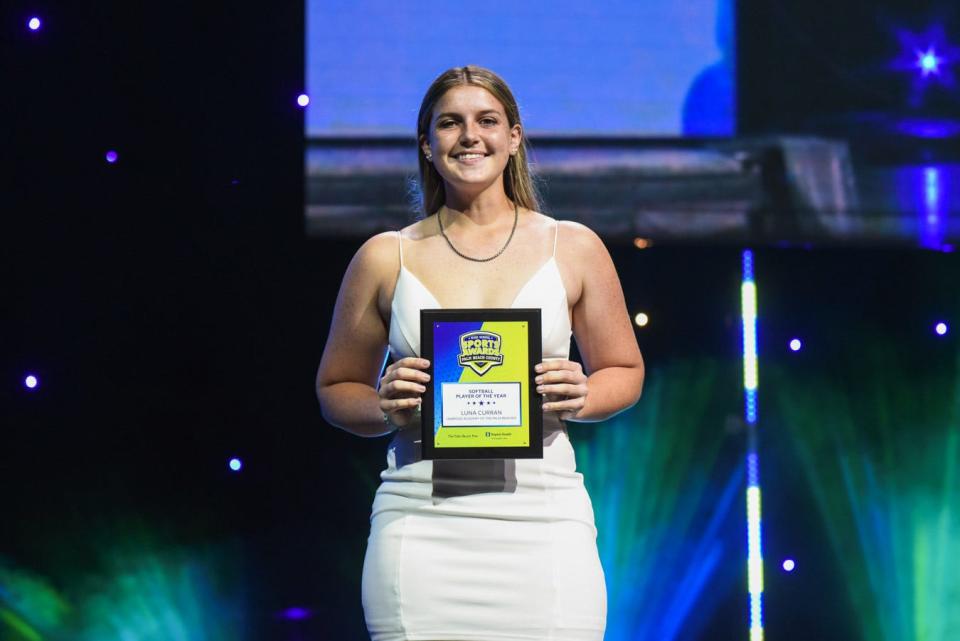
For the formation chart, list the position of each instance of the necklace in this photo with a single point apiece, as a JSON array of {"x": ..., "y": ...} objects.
[{"x": 516, "y": 216}]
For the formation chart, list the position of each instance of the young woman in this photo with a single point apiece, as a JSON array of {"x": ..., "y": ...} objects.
[{"x": 479, "y": 550}]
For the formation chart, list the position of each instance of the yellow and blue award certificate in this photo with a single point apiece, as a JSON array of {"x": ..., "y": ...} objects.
[{"x": 481, "y": 401}]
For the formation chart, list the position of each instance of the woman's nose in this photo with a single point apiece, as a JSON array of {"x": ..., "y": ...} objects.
[{"x": 468, "y": 133}]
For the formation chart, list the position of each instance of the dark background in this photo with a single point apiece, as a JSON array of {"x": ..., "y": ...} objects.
[{"x": 175, "y": 312}]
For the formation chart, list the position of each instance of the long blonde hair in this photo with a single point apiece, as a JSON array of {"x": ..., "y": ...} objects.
[{"x": 518, "y": 182}]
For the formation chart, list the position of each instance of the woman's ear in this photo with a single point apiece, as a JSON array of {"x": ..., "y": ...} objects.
[{"x": 516, "y": 138}]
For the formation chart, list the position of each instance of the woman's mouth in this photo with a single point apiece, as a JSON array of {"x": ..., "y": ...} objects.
[{"x": 470, "y": 158}]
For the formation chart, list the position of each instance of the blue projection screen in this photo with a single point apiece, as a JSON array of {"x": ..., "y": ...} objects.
[{"x": 615, "y": 68}]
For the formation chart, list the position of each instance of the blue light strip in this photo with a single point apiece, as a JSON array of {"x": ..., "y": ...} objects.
[{"x": 748, "y": 301}]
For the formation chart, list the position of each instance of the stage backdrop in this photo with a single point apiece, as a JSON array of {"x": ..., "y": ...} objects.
[{"x": 621, "y": 67}]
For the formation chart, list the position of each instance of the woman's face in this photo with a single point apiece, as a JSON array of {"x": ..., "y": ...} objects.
[{"x": 470, "y": 138}]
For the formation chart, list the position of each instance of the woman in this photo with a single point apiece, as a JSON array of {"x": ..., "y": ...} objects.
[{"x": 479, "y": 550}]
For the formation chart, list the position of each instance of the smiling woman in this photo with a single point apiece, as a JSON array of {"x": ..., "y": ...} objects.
[
  {"x": 486, "y": 550},
  {"x": 476, "y": 102}
]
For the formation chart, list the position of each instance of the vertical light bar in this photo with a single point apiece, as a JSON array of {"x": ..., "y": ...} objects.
[
  {"x": 748, "y": 303},
  {"x": 932, "y": 228}
]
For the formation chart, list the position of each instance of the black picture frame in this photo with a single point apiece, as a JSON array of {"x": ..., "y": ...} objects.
[{"x": 429, "y": 318}]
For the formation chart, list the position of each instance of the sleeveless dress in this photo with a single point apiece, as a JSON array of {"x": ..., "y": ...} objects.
[{"x": 493, "y": 550}]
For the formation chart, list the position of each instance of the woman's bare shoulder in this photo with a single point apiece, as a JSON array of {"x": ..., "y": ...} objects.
[
  {"x": 580, "y": 239},
  {"x": 378, "y": 257}
]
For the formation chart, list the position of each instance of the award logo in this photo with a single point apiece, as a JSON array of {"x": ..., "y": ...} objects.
[{"x": 480, "y": 351}]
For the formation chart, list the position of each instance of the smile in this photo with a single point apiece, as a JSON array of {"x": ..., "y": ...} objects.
[{"x": 470, "y": 158}]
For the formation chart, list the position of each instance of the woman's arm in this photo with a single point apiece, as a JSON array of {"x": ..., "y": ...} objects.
[
  {"x": 356, "y": 345},
  {"x": 601, "y": 326}
]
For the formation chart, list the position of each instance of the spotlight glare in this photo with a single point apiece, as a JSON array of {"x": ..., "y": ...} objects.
[
  {"x": 795, "y": 345},
  {"x": 31, "y": 381},
  {"x": 789, "y": 565},
  {"x": 236, "y": 464},
  {"x": 112, "y": 156},
  {"x": 34, "y": 23},
  {"x": 928, "y": 62},
  {"x": 641, "y": 319},
  {"x": 941, "y": 328},
  {"x": 303, "y": 100}
]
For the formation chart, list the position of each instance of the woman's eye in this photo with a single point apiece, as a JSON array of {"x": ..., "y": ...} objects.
[
  {"x": 489, "y": 121},
  {"x": 445, "y": 123}
]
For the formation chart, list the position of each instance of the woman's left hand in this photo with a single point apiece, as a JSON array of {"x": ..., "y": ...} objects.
[{"x": 563, "y": 386}]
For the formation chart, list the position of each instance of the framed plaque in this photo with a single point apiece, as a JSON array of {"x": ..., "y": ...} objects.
[{"x": 481, "y": 401}]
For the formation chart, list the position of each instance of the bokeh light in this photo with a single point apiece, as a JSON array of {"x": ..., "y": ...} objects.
[
  {"x": 641, "y": 319},
  {"x": 789, "y": 565},
  {"x": 236, "y": 464},
  {"x": 112, "y": 156},
  {"x": 34, "y": 23},
  {"x": 928, "y": 62},
  {"x": 642, "y": 243},
  {"x": 941, "y": 328},
  {"x": 303, "y": 100},
  {"x": 31, "y": 381},
  {"x": 296, "y": 614},
  {"x": 795, "y": 345}
]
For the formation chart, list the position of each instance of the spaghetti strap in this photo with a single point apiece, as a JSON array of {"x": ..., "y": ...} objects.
[
  {"x": 400, "y": 243},
  {"x": 556, "y": 234}
]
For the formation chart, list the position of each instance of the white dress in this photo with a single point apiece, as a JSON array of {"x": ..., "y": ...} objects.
[{"x": 500, "y": 550}]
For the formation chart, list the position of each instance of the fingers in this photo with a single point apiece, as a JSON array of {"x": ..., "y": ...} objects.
[
  {"x": 563, "y": 389},
  {"x": 560, "y": 378},
  {"x": 410, "y": 362},
  {"x": 564, "y": 386},
  {"x": 570, "y": 405},
  {"x": 404, "y": 376},
  {"x": 558, "y": 365},
  {"x": 561, "y": 372},
  {"x": 390, "y": 405},
  {"x": 398, "y": 387}
]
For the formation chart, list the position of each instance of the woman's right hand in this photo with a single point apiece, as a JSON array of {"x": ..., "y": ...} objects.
[{"x": 401, "y": 389}]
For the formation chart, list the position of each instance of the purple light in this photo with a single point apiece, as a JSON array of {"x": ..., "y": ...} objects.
[
  {"x": 296, "y": 614},
  {"x": 34, "y": 23},
  {"x": 941, "y": 328},
  {"x": 236, "y": 464},
  {"x": 112, "y": 156},
  {"x": 931, "y": 128},
  {"x": 929, "y": 56},
  {"x": 928, "y": 62},
  {"x": 303, "y": 100},
  {"x": 789, "y": 565},
  {"x": 795, "y": 345},
  {"x": 31, "y": 381}
]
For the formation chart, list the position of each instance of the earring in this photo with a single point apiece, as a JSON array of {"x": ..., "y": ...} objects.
[{"x": 429, "y": 156}]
